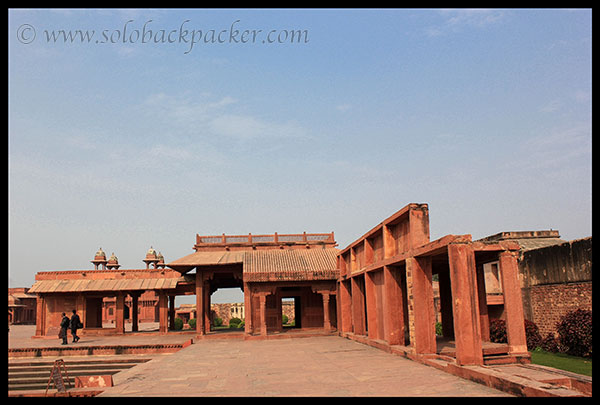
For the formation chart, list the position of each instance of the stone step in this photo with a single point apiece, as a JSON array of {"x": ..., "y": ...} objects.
[
  {"x": 71, "y": 362},
  {"x": 24, "y": 374},
  {"x": 31, "y": 375}
]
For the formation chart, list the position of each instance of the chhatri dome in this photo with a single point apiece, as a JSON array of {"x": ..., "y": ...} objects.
[
  {"x": 113, "y": 262},
  {"x": 151, "y": 257},
  {"x": 99, "y": 259},
  {"x": 161, "y": 261},
  {"x": 151, "y": 253},
  {"x": 100, "y": 254}
]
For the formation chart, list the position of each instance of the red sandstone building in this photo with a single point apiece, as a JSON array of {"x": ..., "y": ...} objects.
[
  {"x": 378, "y": 290},
  {"x": 21, "y": 306}
]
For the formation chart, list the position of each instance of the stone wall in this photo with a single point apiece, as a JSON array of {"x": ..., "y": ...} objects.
[
  {"x": 287, "y": 308},
  {"x": 555, "y": 280},
  {"x": 549, "y": 303},
  {"x": 228, "y": 311}
]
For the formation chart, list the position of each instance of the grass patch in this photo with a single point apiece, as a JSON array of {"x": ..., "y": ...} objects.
[{"x": 562, "y": 361}]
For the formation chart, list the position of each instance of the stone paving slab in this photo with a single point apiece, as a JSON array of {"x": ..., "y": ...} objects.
[
  {"x": 317, "y": 366},
  {"x": 20, "y": 336}
]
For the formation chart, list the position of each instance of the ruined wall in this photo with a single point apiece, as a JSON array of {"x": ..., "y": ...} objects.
[
  {"x": 288, "y": 309},
  {"x": 555, "y": 280},
  {"x": 228, "y": 311}
]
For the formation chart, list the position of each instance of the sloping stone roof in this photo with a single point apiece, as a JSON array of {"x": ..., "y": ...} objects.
[
  {"x": 528, "y": 240},
  {"x": 269, "y": 265},
  {"x": 294, "y": 265},
  {"x": 56, "y": 286}
]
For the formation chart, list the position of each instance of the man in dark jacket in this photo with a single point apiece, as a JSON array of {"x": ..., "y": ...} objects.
[
  {"x": 64, "y": 325},
  {"x": 75, "y": 324}
]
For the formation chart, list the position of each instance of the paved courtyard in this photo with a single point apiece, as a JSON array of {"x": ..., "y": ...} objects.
[{"x": 316, "y": 366}]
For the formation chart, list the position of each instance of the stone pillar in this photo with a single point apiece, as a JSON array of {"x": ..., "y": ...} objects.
[
  {"x": 358, "y": 307},
  {"x": 423, "y": 310},
  {"x": 467, "y": 328},
  {"x": 119, "y": 313},
  {"x": 345, "y": 306},
  {"x": 418, "y": 226},
  {"x": 484, "y": 317},
  {"x": 40, "y": 316},
  {"x": 172, "y": 312},
  {"x": 248, "y": 329},
  {"x": 199, "y": 303},
  {"x": 134, "y": 312},
  {"x": 513, "y": 304},
  {"x": 393, "y": 308},
  {"x": 372, "y": 332},
  {"x": 163, "y": 313},
  {"x": 326, "y": 321},
  {"x": 368, "y": 251},
  {"x": 263, "y": 314},
  {"x": 389, "y": 246},
  {"x": 207, "y": 312}
]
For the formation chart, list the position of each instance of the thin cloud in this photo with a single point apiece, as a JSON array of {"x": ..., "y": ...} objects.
[
  {"x": 455, "y": 20},
  {"x": 557, "y": 150},
  {"x": 552, "y": 106},
  {"x": 343, "y": 107},
  {"x": 217, "y": 117},
  {"x": 249, "y": 127}
]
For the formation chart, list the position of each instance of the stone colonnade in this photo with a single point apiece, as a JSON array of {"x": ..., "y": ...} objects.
[{"x": 386, "y": 290}]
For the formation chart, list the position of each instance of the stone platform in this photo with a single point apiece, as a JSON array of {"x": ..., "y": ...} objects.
[{"x": 310, "y": 366}]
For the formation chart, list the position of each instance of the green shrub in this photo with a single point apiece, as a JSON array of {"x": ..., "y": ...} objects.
[
  {"x": 178, "y": 323},
  {"x": 532, "y": 334},
  {"x": 550, "y": 344},
  {"x": 192, "y": 323},
  {"x": 498, "y": 333},
  {"x": 438, "y": 329},
  {"x": 284, "y": 319},
  {"x": 217, "y": 321},
  {"x": 234, "y": 321},
  {"x": 575, "y": 333}
]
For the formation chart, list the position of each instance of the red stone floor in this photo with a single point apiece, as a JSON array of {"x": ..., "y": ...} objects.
[{"x": 309, "y": 366}]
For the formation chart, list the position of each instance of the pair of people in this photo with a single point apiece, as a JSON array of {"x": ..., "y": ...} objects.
[{"x": 74, "y": 323}]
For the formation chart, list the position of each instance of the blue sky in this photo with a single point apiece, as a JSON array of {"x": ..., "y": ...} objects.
[{"x": 125, "y": 143}]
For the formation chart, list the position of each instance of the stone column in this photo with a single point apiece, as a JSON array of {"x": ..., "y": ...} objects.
[
  {"x": 345, "y": 306},
  {"x": 372, "y": 309},
  {"x": 207, "y": 312},
  {"x": 199, "y": 303},
  {"x": 263, "y": 314},
  {"x": 423, "y": 311},
  {"x": 513, "y": 304},
  {"x": 119, "y": 313},
  {"x": 484, "y": 317},
  {"x": 358, "y": 307},
  {"x": 326, "y": 321},
  {"x": 467, "y": 328},
  {"x": 393, "y": 308},
  {"x": 134, "y": 312},
  {"x": 172, "y": 312},
  {"x": 163, "y": 313},
  {"x": 418, "y": 226},
  {"x": 247, "y": 310},
  {"x": 40, "y": 316}
]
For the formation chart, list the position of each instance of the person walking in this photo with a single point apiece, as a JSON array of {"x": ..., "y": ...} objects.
[
  {"x": 64, "y": 325},
  {"x": 75, "y": 324}
]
